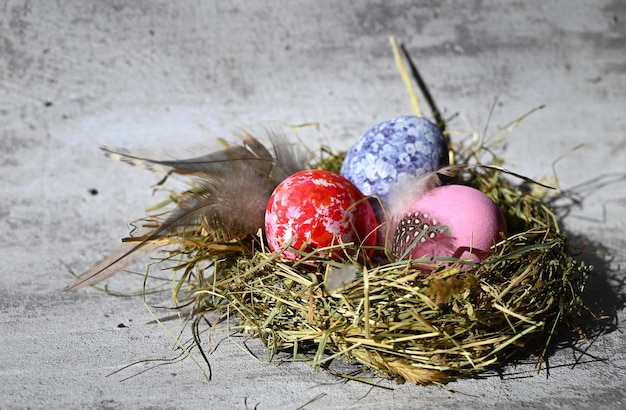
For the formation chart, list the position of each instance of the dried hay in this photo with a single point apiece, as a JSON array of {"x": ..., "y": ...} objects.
[{"x": 394, "y": 318}]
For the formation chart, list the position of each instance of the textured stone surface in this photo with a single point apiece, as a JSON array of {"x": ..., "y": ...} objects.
[{"x": 167, "y": 76}]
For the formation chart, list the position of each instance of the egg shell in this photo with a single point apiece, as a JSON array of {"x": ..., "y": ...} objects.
[
  {"x": 406, "y": 145},
  {"x": 317, "y": 208},
  {"x": 474, "y": 221}
]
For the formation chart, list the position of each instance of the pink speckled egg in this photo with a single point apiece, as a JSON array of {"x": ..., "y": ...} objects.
[
  {"x": 474, "y": 223},
  {"x": 315, "y": 208}
]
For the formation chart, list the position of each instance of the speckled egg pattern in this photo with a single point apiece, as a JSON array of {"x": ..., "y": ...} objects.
[
  {"x": 421, "y": 234},
  {"x": 318, "y": 208},
  {"x": 400, "y": 146}
]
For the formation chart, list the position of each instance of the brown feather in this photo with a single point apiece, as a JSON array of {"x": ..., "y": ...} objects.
[
  {"x": 283, "y": 155},
  {"x": 236, "y": 184},
  {"x": 113, "y": 263}
]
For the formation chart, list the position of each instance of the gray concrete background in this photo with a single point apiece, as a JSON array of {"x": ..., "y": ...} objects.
[{"x": 167, "y": 75}]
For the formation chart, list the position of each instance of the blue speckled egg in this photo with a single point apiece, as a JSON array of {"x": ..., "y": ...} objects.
[{"x": 400, "y": 146}]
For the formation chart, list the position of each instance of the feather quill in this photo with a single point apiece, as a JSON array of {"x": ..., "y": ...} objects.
[
  {"x": 235, "y": 186},
  {"x": 113, "y": 263}
]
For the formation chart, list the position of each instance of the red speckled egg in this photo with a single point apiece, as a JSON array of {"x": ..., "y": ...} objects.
[
  {"x": 315, "y": 209},
  {"x": 474, "y": 222}
]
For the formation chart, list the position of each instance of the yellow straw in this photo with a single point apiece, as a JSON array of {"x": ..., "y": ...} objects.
[{"x": 405, "y": 77}]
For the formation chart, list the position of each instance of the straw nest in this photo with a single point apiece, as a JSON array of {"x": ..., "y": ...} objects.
[{"x": 394, "y": 318}]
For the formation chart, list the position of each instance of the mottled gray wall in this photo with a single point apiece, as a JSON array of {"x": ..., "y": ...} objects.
[{"x": 167, "y": 75}]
